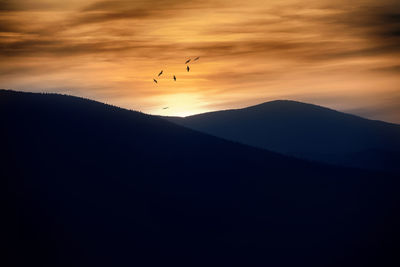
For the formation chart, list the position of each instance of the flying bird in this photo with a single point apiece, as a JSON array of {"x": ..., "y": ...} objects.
[
  {"x": 187, "y": 67},
  {"x": 155, "y": 80},
  {"x": 165, "y": 107},
  {"x": 187, "y": 61},
  {"x": 160, "y": 73},
  {"x": 197, "y": 58},
  {"x": 174, "y": 78}
]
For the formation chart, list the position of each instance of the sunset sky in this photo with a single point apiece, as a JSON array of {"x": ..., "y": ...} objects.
[{"x": 340, "y": 54}]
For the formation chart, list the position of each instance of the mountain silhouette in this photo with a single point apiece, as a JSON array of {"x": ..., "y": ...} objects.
[
  {"x": 306, "y": 131},
  {"x": 89, "y": 184}
]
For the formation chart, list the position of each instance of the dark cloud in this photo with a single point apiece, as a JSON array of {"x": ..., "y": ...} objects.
[
  {"x": 104, "y": 11},
  {"x": 378, "y": 26},
  {"x": 23, "y": 5},
  {"x": 109, "y": 16},
  {"x": 34, "y": 47},
  {"x": 9, "y": 26},
  {"x": 377, "y": 23},
  {"x": 113, "y": 5},
  {"x": 389, "y": 24},
  {"x": 7, "y": 5},
  {"x": 388, "y": 69}
]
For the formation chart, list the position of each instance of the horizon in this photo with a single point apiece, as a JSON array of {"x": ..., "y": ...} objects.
[
  {"x": 211, "y": 111},
  {"x": 339, "y": 55}
]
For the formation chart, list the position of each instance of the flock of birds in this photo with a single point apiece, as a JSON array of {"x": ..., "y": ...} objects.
[{"x": 174, "y": 77}]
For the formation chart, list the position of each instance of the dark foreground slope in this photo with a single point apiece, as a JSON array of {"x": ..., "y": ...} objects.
[
  {"x": 306, "y": 131},
  {"x": 94, "y": 185}
]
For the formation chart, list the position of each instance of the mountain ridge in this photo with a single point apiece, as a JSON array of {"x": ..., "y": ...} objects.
[
  {"x": 305, "y": 131},
  {"x": 284, "y": 101}
]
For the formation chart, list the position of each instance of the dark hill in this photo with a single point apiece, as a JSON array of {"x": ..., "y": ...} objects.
[
  {"x": 89, "y": 184},
  {"x": 306, "y": 131}
]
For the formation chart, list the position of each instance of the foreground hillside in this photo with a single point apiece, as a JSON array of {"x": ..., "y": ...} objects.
[
  {"x": 93, "y": 185},
  {"x": 306, "y": 131}
]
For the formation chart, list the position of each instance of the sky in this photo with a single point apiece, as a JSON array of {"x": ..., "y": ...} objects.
[{"x": 340, "y": 54}]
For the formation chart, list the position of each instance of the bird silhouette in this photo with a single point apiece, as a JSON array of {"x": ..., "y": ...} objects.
[
  {"x": 155, "y": 80},
  {"x": 187, "y": 61},
  {"x": 165, "y": 107},
  {"x": 160, "y": 73},
  {"x": 197, "y": 58},
  {"x": 174, "y": 78},
  {"x": 187, "y": 67}
]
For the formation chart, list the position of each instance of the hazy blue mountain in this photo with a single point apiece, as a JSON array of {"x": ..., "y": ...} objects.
[
  {"x": 88, "y": 184},
  {"x": 306, "y": 131}
]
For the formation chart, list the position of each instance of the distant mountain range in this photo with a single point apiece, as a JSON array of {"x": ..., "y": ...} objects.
[
  {"x": 88, "y": 184},
  {"x": 306, "y": 131}
]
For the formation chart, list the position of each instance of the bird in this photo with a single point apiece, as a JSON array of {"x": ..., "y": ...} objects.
[
  {"x": 160, "y": 73},
  {"x": 165, "y": 107},
  {"x": 197, "y": 58},
  {"x": 187, "y": 61},
  {"x": 155, "y": 80},
  {"x": 174, "y": 78},
  {"x": 187, "y": 67}
]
